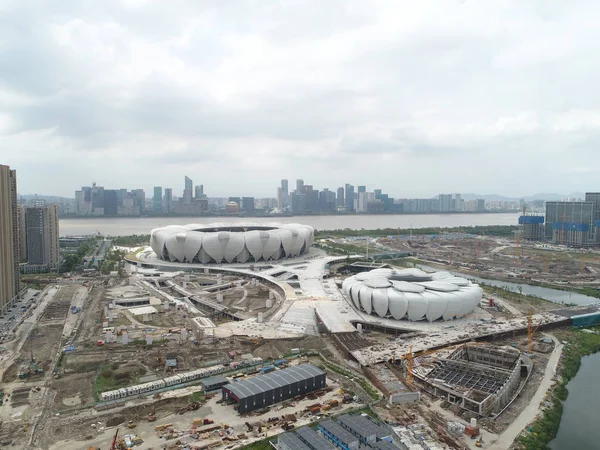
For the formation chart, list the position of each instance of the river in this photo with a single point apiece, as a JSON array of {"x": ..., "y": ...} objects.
[
  {"x": 553, "y": 295},
  {"x": 126, "y": 226},
  {"x": 579, "y": 424}
]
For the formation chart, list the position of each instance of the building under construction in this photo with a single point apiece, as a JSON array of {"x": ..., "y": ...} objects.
[{"x": 482, "y": 378}]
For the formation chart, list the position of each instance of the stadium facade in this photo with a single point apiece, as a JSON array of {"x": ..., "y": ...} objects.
[
  {"x": 412, "y": 294},
  {"x": 226, "y": 243}
]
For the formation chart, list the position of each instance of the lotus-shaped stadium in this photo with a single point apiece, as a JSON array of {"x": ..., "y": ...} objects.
[
  {"x": 240, "y": 243},
  {"x": 412, "y": 294}
]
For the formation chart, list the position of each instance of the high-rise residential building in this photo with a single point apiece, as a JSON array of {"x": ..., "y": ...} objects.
[
  {"x": 168, "y": 200},
  {"x": 22, "y": 235},
  {"x": 458, "y": 206},
  {"x": 349, "y": 197},
  {"x": 340, "y": 198},
  {"x": 9, "y": 238},
  {"x": 41, "y": 236},
  {"x": 480, "y": 204},
  {"x": 445, "y": 202},
  {"x": 299, "y": 186},
  {"x": 157, "y": 199}
]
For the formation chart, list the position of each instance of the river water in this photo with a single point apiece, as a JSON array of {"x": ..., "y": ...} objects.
[
  {"x": 554, "y": 295},
  {"x": 143, "y": 225},
  {"x": 579, "y": 424}
]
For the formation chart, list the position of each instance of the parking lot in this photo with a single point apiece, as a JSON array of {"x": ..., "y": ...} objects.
[{"x": 11, "y": 319}]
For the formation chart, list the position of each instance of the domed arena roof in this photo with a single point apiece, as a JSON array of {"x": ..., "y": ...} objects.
[
  {"x": 225, "y": 243},
  {"x": 412, "y": 294}
]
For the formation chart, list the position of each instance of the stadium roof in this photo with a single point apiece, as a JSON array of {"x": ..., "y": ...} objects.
[
  {"x": 265, "y": 383},
  {"x": 293, "y": 442}
]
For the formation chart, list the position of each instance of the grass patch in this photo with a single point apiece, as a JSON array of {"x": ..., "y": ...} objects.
[
  {"x": 196, "y": 397},
  {"x": 109, "y": 380},
  {"x": 363, "y": 383},
  {"x": 544, "y": 430}
]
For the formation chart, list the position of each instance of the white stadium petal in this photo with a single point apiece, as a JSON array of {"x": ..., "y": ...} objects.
[
  {"x": 239, "y": 243},
  {"x": 412, "y": 294}
]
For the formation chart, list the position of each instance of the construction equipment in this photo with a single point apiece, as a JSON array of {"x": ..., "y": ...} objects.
[
  {"x": 131, "y": 424},
  {"x": 113, "y": 446},
  {"x": 152, "y": 417}
]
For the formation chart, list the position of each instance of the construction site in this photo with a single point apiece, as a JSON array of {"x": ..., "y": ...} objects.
[
  {"x": 164, "y": 358},
  {"x": 490, "y": 256}
]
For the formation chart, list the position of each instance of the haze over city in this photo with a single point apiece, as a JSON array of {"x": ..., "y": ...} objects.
[{"x": 415, "y": 98}]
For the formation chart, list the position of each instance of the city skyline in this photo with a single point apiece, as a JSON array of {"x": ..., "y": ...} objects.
[{"x": 435, "y": 98}]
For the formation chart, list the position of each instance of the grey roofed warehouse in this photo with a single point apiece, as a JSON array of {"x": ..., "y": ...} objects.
[{"x": 264, "y": 390}]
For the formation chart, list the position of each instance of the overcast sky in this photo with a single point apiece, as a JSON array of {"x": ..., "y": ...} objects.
[{"x": 414, "y": 97}]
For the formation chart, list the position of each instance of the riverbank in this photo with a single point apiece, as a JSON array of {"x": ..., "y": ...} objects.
[{"x": 579, "y": 344}]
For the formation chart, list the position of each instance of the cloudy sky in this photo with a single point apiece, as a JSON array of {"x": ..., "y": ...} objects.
[{"x": 414, "y": 97}]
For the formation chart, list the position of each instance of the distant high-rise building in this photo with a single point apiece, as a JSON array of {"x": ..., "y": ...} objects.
[
  {"x": 298, "y": 203},
  {"x": 377, "y": 193},
  {"x": 349, "y": 197},
  {"x": 457, "y": 202},
  {"x": 360, "y": 189},
  {"x": 168, "y": 200},
  {"x": 157, "y": 199},
  {"x": 110, "y": 202},
  {"x": 299, "y": 186},
  {"x": 285, "y": 199},
  {"x": 188, "y": 191},
  {"x": 445, "y": 202},
  {"x": 480, "y": 204},
  {"x": 139, "y": 199},
  {"x": 340, "y": 198},
  {"x": 9, "y": 238},
  {"x": 97, "y": 200},
  {"x": 280, "y": 197},
  {"x": 247, "y": 204},
  {"x": 41, "y": 235},
  {"x": 199, "y": 191}
]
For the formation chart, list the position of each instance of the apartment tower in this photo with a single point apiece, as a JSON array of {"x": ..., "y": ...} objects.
[{"x": 9, "y": 238}]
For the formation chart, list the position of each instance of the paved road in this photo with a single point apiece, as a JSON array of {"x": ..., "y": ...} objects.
[{"x": 529, "y": 414}]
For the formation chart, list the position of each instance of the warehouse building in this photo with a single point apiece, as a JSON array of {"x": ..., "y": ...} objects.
[
  {"x": 265, "y": 390},
  {"x": 338, "y": 435},
  {"x": 214, "y": 383},
  {"x": 367, "y": 430},
  {"x": 314, "y": 440},
  {"x": 291, "y": 441}
]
